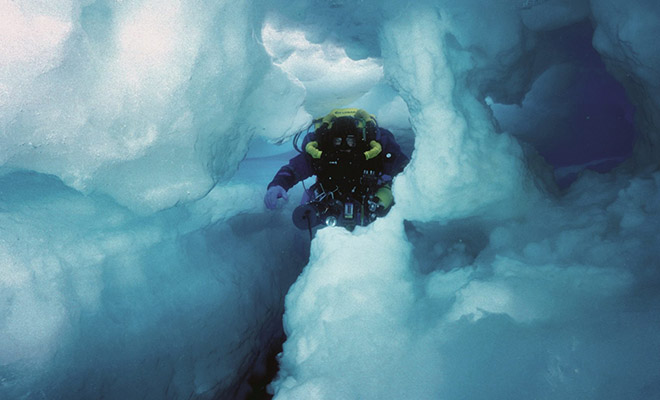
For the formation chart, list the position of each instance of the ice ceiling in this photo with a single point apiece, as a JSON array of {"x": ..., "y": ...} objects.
[{"x": 137, "y": 259}]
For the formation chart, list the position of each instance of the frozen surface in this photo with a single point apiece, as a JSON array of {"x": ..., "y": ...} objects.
[
  {"x": 560, "y": 304},
  {"x": 137, "y": 259},
  {"x": 137, "y": 100}
]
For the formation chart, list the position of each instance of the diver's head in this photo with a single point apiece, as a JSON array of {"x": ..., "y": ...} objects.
[{"x": 344, "y": 135}]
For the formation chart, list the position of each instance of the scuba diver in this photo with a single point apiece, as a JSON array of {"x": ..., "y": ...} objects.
[{"x": 354, "y": 161}]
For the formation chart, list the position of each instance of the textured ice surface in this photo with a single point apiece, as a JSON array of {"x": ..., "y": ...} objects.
[{"x": 137, "y": 259}]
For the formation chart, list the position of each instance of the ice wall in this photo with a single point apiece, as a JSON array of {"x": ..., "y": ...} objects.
[
  {"x": 149, "y": 102},
  {"x": 136, "y": 263},
  {"x": 98, "y": 302},
  {"x": 115, "y": 117},
  {"x": 456, "y": 148},
  {"x": 560, "y": 304},
  {"x": 622, "y": 37},
  {"x": 495, "y": 287}
]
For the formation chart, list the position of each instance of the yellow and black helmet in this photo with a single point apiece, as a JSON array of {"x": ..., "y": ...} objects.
[{"x": 345, "y": 129}]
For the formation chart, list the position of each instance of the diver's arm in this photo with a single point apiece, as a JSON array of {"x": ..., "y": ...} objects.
[
  {"x": 394, "y": 160},
  {"x": 299, "y": 168}
]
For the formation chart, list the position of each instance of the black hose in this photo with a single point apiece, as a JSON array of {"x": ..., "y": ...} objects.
[
  {"x": 295, "y": 142},
  {"x": 309, "y": 224},
  {"x": 296, "y": 137}
]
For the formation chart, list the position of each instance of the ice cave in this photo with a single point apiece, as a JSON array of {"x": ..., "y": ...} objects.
[{"x": 521, "y": 259}]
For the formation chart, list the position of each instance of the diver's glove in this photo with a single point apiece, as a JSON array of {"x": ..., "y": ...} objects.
[{"x": 272, "y": 194}]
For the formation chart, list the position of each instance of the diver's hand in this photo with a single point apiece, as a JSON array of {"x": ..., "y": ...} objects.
[{"x": 274, "y": 193}]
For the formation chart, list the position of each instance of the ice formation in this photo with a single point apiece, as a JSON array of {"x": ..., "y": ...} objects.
[{"x": 137, "y": 259}]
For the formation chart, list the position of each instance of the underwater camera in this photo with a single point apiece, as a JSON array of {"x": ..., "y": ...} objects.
[{"x": 348, "y": 213}]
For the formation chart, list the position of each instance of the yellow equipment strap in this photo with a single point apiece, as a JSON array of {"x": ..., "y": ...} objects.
[
  {"x": 361, "y": 115},
  {"x": 312, "y": 149},
  {"x": 376, "y": 148}
]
